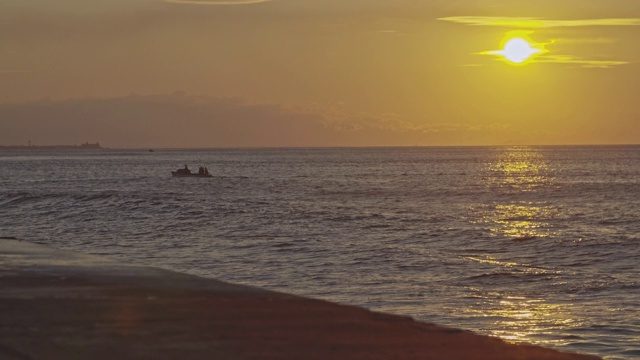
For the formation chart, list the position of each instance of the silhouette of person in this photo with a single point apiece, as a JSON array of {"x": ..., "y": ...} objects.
[{"x": 206, "y": 171}]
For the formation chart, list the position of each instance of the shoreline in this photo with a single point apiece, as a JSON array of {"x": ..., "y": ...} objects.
[{"x": 59, "y": 304}]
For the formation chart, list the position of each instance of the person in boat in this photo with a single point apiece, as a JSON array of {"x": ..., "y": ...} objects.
[
  {"x": 201, "y": 171},
  {"x": 184, "y": 171},
  {"x": 206, "y": 171}
]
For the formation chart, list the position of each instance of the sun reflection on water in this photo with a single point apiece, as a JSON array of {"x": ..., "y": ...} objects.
[
  {"x": 522, "y": 221},
  {"x": 521, "y": 319},
  {"x": 520, "y": 168},
  {"x": 515, "y": 212},
  {"x": 518, "y": 171}
]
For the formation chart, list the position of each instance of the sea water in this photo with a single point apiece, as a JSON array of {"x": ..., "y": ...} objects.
[{"x": 530, "y": 244}]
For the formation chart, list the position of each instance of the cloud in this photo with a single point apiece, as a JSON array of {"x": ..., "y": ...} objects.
[
  {"x": 538, "y": 23},
  {"x": 167, "y": 120},
  {"x": 595, "y": 40},
  {"x": 214, "y": 2},
  {"x": 335, "y": 118},
  {"x": 564, "y": 59},
  {"x": 179, "y": 120},
  {"x": 572, "y": 60}
]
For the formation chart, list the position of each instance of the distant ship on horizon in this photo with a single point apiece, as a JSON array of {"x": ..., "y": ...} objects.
[{"x": 83, "y": 146}]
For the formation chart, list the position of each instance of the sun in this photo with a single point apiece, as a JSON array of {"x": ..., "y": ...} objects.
[{"x": 517, "y": 50}]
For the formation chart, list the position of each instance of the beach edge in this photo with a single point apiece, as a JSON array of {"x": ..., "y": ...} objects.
[{"x": 59, "y": 304}]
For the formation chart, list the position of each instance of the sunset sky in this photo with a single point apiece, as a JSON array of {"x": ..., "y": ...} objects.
[{"x": 195, "y": 73}]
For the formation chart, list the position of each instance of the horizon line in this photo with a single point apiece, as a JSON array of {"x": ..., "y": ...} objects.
[{"x": 160, "y": 148}]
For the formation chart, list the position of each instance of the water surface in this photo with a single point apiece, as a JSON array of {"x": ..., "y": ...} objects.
[{"x": 531, "y": 244}]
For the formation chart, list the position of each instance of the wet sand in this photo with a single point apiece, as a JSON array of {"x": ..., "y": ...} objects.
[{"x": 63, "y": 305}]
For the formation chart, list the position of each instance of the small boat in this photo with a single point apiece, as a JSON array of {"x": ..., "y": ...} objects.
[
  {"x": 203, "y": 172},
  {"x": 178, "y": 174}
]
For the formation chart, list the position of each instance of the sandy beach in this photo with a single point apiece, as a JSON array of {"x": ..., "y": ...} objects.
[{"x": 58, "y": 304}]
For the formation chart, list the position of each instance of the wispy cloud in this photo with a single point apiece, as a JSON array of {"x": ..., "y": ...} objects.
[
  {"x": 565, "y": 59},
  {"x": 572, "y": 60},
  {"x": 181, "y": 120},
  {"x": 598, "y": 40},
  {"x": 538, "y": 23},
  {"x": 214, "y": 2},
  {"x": 334, "y": 117}
]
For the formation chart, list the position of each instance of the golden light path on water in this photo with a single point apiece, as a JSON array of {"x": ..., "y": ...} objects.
[
  {"x": 519, "y": 317},
  {"x": 521, "y": 170}
]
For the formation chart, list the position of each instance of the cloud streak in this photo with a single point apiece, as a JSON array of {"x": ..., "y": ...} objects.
[
  {"x": 213, "y": 2},
  {"x": 180, "y": 120},
  {"x": 537, "y": 23},
  {"x": 566, "y": 59},
  {"x": 572, "y": 60}
]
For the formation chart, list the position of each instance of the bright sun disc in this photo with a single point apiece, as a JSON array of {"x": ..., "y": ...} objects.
[{"x": 517, "y": 50}]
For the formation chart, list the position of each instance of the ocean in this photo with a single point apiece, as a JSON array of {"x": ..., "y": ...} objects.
[{"x": 530, "y": 244}]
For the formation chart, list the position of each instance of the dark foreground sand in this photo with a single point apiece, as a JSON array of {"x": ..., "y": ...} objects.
[{"x": 62, "y": 305}]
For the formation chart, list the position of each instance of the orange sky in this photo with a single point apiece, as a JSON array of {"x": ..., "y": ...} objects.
[{"x": 141, "y": 73}]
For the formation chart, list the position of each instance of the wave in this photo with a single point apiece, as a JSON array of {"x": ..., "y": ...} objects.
[{"x": 521, "y": 276}]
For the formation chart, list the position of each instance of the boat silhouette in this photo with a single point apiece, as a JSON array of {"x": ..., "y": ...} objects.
[{"x": 186, "y": 172}]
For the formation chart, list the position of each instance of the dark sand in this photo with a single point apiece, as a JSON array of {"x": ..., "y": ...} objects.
[{"x": 63, "y": 305}]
